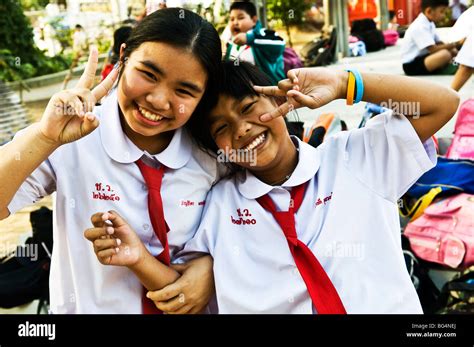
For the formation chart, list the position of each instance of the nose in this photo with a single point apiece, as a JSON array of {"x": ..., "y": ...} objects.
[
  {"x": 159, "y": 99},
  {"x": 242, "y": 128}
]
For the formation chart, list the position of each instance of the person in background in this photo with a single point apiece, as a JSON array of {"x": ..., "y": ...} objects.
[
  {"x": 254, "y": 44},
  {"x": 423, "y": 53}
]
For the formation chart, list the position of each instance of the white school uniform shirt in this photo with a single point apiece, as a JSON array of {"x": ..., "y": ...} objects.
[
  {"x": 348, "y": 218},
  {"x": 464, "y": 28},
  {"x": 420, "y": 35},
  {"x": 97, "y": 173}
]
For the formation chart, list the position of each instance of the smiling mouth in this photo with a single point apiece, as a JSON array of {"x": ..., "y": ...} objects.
[
  {"x": 257, "y": 143},
  {"x": 149, "y": 115}
]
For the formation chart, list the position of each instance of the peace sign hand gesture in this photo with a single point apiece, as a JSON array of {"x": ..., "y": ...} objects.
[
  {"x": 68, "y": 115},
  {"x": 309, "y": 87}
]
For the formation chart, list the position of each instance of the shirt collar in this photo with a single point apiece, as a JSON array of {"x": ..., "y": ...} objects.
[
  {"x": 121, "y": 149},
  {"x": 309, "y": 159}
]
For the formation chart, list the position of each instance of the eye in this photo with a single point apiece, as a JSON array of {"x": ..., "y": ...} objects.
[
  {"x": 219, "y": 130},
  {"x": 148, "y": 74},
  {"x": 184, "y": 91},
  {"x": 248, "y": 107}
]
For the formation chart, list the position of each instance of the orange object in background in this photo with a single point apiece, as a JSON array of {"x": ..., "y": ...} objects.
[
  {"x": 360, "y": 9},
  {"x": 406, "y": 11}
]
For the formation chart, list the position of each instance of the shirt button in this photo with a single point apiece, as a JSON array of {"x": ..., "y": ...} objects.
[{"x": 146, "y": 227}]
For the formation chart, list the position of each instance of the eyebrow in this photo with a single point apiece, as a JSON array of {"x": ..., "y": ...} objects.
[{"x": 158, "y": 70}]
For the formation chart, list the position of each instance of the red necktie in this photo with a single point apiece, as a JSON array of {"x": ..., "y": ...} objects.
[
  {"x": 153, "y": 178},
  {"x": 321, "y": 290}
]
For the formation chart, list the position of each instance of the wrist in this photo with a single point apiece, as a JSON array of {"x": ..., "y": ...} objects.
[
  {"x": 42, "y": 140},
  {"x": 143, "y": 256},
  {"x": 343, "y": 78}
]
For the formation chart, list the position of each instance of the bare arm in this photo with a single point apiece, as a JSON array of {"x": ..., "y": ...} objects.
[
  {"x": 67, "y": 118},
  {"x": 433, "y": 104},
  {"x": 19, "y": 159}
]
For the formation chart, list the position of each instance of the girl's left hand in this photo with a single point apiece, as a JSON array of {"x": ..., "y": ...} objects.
[
  {"x": 308, "y": 87},
  {"x": 191, "y": 292}
]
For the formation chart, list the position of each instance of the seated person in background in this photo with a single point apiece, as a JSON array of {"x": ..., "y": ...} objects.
[
  {"x": 423, "y": 53},
  {"x": 254, "y": 44}
]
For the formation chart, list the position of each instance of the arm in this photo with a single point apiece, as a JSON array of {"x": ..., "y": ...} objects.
[
  {"x": 21, "y": 157},
  {"x": 115, "y": 243},
  {"x": 315, "y": 87},
  {"x": 67, "y": 118},
  {"x": 438, "y": 47}
]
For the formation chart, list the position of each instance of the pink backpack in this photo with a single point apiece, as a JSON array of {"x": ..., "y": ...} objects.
[
  {"x": 444, "y": 234},
  {"x": 462, "y": 146},
  {"x": 390, "y": 37}
]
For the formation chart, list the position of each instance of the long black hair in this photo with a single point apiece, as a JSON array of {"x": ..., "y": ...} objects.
[
  {"x": 236, "y": 79},
  {"x": 180, "y": 28}
]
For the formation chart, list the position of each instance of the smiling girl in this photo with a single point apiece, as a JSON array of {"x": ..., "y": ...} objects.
[
  {"x": 166, "y": 68},
  {"x": 314, "y": 230}
]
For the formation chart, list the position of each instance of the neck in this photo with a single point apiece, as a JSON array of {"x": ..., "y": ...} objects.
[
  {"x": 151, "y": 144},
  {"x": 283, "y": 168}
]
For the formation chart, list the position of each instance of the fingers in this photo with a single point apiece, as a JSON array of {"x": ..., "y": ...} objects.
[
  {"x": 105, "y": 256},
  {"x": 293, "y": 76},
  {"x": 115, "y": 218},
  {"x": 166, "y": 293},
  {"x": 70, "y": 104},
  {"x": 98, "y": 219},
  {"x": 172, "y": 305},
  {"x": 270, "y": 91},
  {"x": 305, "y": 100},
  {"x": 280, "y": 111},
  {"x": 93, "y": 234},
  {"x": 100, "y": 245},
  {"x": 104, "y": 87},
  {"x": 88, "y": 76}
]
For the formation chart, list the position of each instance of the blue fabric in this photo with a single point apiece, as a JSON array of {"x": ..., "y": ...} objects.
[
  {"x": 451, "y": 175},
  {"x": 359, "y": 85}
]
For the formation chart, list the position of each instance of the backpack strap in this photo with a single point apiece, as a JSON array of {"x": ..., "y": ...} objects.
[{"x": 420, "y": 205}]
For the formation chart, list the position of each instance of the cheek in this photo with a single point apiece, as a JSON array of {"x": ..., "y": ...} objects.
[
  {"x": 184, "y": 107},
  {"x": 132, "y": 85}
]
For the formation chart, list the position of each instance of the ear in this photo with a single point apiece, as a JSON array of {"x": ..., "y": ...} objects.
[
  {"x": 122, "y": 50},
  {"x": 254, "y": 19}
]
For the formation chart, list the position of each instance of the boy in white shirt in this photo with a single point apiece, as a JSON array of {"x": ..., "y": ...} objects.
[
  {"x": 464, "y": 27},
  {"x": 423, "y": 53},
  {"x": 305, "y": 230}
]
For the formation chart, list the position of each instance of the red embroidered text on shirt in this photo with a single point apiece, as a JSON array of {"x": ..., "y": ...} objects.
[
  {"x": 241, "y": 219},
  {"x": 323, "y": 201},
  {"x": 104, "y": 192},
  {"x": 187, "y": 203}
]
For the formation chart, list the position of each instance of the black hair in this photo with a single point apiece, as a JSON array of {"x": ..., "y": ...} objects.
[
  {"x": 245, "y": 6},
  {"x": 78, "y": 26},
  {"x": 433, "y": 4},
  {"x": 121, "y": 35},
  {"x": 236, "y": 80},
  {"x": 180, "y": 28}
]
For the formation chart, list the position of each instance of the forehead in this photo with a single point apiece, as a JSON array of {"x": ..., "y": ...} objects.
[
  {"x": 238, "y": 13},
  {"x": 176, "y": 62}
]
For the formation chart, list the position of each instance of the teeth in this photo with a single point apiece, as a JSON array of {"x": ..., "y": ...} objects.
[
  {"x": 258, "y": 141},
  {"x": 150, "y": 116}
]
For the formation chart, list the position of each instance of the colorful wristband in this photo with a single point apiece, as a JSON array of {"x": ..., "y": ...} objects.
[
  {"x": 350, "y": 89},
  {"x": 359, "y": 89}
]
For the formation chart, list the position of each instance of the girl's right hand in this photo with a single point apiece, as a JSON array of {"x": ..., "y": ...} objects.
[
  {"x": 68, "y": 116},
  {"x": 306, "y": 87},
  {"x": 114, "y": 240}
]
